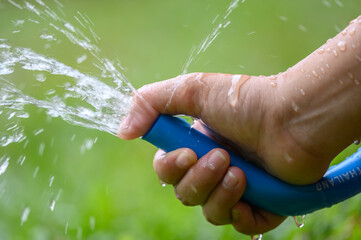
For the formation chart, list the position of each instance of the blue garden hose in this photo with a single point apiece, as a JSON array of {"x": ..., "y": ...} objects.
[{"x": 263, "y": 190}]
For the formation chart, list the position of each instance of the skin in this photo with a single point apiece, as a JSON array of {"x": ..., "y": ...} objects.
[{"x": 292, "y": 124}]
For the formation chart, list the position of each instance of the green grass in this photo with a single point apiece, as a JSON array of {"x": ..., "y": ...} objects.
[{"x": 113, "y": 182}]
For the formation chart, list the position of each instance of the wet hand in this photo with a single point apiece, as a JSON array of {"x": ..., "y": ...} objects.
[{"x": 211, "y": 183}]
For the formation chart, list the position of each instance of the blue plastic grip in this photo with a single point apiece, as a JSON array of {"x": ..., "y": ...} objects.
[{"x": 263, "y": 190}]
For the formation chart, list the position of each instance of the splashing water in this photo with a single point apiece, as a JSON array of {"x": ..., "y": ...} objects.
[
  {"x": 80, "y": 99},
  {"x": 97, "y": 101},
  {"x": 106, "y": 105},
  {"x": 24, "y": 216},
  {"x": 206, "y": 42}
]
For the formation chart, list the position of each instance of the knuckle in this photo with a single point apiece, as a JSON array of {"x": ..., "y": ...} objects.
[
  {"x": 211, "y": 220},
  {"x": 186, "y": 201}
]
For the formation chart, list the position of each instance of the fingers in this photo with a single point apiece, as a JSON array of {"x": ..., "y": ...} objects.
[
  {"x": 217, "y": 209},
  {"x": 171, "y": 167},
  {"x": 186, "y": 94},
  {"x": 139, "y": 119},
  {"x": 197, "y": 184},
  {"x": 210, "y": 182},
  {"x": 251, "y": 220}
]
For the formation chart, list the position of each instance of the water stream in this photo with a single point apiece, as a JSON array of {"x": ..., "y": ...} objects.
[{"x": 96, "y": 101}]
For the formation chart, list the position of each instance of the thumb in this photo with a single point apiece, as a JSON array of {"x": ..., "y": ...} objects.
[{"x": 185, "y": 94}]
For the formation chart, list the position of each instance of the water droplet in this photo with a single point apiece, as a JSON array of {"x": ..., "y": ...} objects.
[
  {"x": 4, "y": 163},
  {"x": 350, "y": 75},
  {"x": 241, "y": 66},
  {"x": 48, "y": 37},
  {"x": 22, "y": 114},
  {"x": 273, "y": 77},
  {"x": 52, "y": 205},
  {"x": 18, "y": 23},
  {"x": 50, "y": 92},
  {"x": 327, "y": 66},
  {"x": 357, "y": 82},
  {"x": 320, "y": 50},
  {"x": 358, "y": 58},
  {"x": 283, "y": 98},
  {"x": 342, "y": 46},
  {"x": 302, "y": 92},
  {"x": 15, "y": 4},
  {"x": 33, "y": 21},
  {"x": 314, "y": 73},
  {"x": 295, "y": 107},
  {"x": 328, "y": 50},
  {"x": 21, "y": 160},
  {"x": 226, "y": 24},
  {"x": 163, "y": 184},
  {"x": 273, "y": 84},
  {"x": 66, "y": 228},
  {"x": 41, "y": 149},
  {"x": 344, "y": 32},
  {"x": 322, "y": 70},
  {"x": 233, "y": 93},
  {"x": 36, "y": 171},
  {"x": 92, "y": 223},
  {"x": 302, "y": 70},
  {"x": 51, "y": 180},
  {"x": 339, "y": 3},
  {"x": 73, "y": 137},
  {"x": 283, "y": 18},
  {"x": 194, "y": 189},
  {"x": 24, "y": 216},
  {"x": 353, "y": 46},
  {"x": 335, "y": 53},
  {"x": 352, "y": 31},
  {"x": 341, "y": 81},
  {"x": 79, "y": 233},
  {"x": 302, "y": 28},
  {"x": 70, "y": 27},
  {"x": 26, "y": 143},
  {"x": 11, "y": 115},
  {"x": 256, "y": 237},
  {"x": 58, "y": 194},
  {"x": 81, "y": 59},
  {"x": 299, "y": 220},
  {"x": 357, "y": 141},
  {"x": 40, "y": 77},
  {"x": 287, "y": 157},
  {"x": 37, "y": 132},
  {"x": 326, "y": 3},
  {"x": 87, "y": 145}
]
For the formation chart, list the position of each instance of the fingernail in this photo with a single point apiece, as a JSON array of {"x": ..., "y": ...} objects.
[
  {"x": 235, "y": 215},
  {"x": 230, "y": 180},
  {"x": 184, "y": 160},
  {"x": 124, "y": 127},
  {"x": 216, "y": 160}
]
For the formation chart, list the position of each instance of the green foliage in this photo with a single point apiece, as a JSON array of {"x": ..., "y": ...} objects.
[{"x": 110, "y": 191}]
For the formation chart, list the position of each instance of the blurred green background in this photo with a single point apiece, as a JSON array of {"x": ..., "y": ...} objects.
[{"x": 109, "y": 190}]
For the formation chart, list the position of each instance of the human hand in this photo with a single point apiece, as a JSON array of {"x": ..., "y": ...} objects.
[
  {"x": 289, "y": 124},
  {"x": 215, "y": 186}
]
